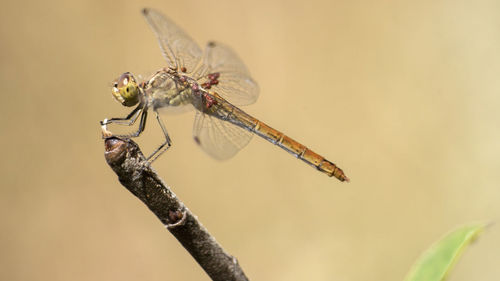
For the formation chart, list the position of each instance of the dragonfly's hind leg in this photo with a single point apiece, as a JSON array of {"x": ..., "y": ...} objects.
[{"x": 165, "y": 145}]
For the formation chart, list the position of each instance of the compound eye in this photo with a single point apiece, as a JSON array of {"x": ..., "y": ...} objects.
[
  {"x": 125, "y": 90},
  {"x": 123, "y": 80}
]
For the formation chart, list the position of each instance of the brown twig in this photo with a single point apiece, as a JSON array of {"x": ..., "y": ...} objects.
[{"x": 128, "y": 162}]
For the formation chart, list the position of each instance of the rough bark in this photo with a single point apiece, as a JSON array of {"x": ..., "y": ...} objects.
[{"x": 135, "y": 173}]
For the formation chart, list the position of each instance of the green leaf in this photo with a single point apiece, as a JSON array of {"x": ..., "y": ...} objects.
[{"x": 435, "y": 263}]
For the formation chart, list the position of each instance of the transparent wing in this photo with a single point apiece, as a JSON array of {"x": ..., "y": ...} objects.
[
  {"x": 234, "y": 82},
  {"x": 178, "y": 48},
  {"x": 219, "y": 139}
]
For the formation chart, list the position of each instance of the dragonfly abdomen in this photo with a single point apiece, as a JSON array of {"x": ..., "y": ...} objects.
[
  {"x": 226, "y": 111},
  {"x": 299, "y": 150}
]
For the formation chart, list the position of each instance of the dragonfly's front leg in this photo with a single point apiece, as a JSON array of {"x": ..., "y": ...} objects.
[
  {"x": 165, "y": 145},
  {"x": 129, "y": 120}
]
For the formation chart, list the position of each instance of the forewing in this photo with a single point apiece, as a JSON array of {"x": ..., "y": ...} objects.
[
  {"x": 219, "y": 139},
  {"x": 178, "y": 48},
  {"x": 234, "y": 83}
]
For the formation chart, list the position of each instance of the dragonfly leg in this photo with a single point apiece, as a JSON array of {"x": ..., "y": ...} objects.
[
  {"x": 165, "y": 145},
  {"x": 129, "y": 120},
  {"x": 142, "y": 126}
]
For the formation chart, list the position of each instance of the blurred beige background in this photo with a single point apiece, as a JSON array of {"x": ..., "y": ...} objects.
[{"x": 404, "y": 96}]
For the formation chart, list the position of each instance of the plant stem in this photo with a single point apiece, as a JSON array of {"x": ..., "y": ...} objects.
[{"x": 136, "y": 174}]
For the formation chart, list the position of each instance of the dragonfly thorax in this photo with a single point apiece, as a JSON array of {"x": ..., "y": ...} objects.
[
  {"x": 125, "y": 90},
  {"x": 167, "y": 89}
]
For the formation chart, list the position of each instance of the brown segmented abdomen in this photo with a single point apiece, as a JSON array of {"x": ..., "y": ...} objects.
[{"x": 242, "y": 119}]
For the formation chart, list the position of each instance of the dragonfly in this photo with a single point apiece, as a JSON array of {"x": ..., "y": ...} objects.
[{"x": 213, "y": 82}]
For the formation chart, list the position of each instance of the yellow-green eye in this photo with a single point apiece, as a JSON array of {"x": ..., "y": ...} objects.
[{"x": 125, "y": 90}]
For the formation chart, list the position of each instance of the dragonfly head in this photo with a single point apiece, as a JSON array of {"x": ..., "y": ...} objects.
[{"x": 125, "y": 90}]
